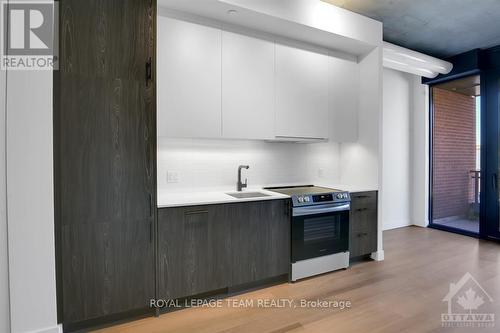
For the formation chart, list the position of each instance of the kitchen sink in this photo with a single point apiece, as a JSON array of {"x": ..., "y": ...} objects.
[{"x": 246, "y": 195}]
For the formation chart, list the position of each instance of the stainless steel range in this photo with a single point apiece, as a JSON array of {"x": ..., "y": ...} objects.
[{"x": 320, "y": 229}]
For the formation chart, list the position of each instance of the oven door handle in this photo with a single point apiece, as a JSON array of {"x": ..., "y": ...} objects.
[{"x": 320, "y": 209}]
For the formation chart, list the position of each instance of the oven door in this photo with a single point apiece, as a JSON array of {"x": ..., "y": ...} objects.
[{"x": 320, "y": 230}]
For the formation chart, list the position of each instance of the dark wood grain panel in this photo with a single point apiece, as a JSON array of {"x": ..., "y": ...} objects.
[
  {"x": 364, "y": 219},
  {"x": 104, "y": 151},
  {"x": 105, "y": 159},
  {"x": 280, "y": 231},
  {"x": 364, "y": 200},
  {"x": 261, "y": 240},
  {"x": 207, "y": 248},
  {"x": 109, "y": 268},
  {"x": 194, "y": 247},
  {"x": 363, "y": 224},
  {"x": 106, "y": 38}
]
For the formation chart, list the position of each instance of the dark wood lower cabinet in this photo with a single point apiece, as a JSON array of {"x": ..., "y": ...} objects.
[
  {"x": 260, "y": 233},
  {"x": 363, "y": 224},
  {"x": 208, "y": 248},
  {"x": 194, "y": 243}
]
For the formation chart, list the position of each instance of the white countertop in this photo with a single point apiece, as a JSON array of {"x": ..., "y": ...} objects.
[{"x": 179, "y": 199}]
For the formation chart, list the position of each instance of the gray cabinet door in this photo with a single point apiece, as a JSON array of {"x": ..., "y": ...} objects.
[
  {"x": 261, "y": 240},
  {"x": 194, "y": 248},
  {"x": 363, "y": 224}
]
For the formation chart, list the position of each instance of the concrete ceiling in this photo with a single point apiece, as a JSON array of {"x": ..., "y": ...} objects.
[{"x": 441, "y": 28}]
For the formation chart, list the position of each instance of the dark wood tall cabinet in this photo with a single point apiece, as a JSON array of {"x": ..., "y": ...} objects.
[{"x": 105, "y": 160}]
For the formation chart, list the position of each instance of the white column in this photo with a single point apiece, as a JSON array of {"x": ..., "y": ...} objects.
[
  {"x": 4, "y": 266},
  {"x": 30, "y": 202}
]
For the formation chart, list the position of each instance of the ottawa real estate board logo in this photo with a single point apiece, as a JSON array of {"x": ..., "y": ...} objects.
[
  {"x": 29, "y": 35},
  {"x": 469, "y": 305}
]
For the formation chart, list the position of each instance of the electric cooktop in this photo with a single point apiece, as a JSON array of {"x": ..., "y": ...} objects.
[{"x": 305, "y": 195}]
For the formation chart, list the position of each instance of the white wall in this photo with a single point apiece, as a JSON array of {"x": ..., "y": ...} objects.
[
  {"x": 30, "y": 201},
  {"x": 30, "y": 205},
  {"x": 419, "y": 139},
  {"x": 360, "y": 161},
  {"x": 397, "y": 108},
  {"x": 323, "y": 163},
  {"x": 212, "y": 164},
  {"x": 4, "y": 268},
  {"x": 405, "y": 150}
]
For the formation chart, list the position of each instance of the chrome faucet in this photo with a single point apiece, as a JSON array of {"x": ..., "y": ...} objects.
[{"x": 240, "y": 186}]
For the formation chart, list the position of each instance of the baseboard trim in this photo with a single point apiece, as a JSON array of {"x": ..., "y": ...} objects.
[
  {"x": 397, "y": 225},
  {"x": 378, "y": 256},
  {"x": 109, "y": 320},
  {"x": 419, "y": 223},
  {"x": 52, "y": 329}
]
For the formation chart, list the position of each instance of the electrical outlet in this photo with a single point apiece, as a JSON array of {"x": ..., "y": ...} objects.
[{"x": 172, "y": 177}]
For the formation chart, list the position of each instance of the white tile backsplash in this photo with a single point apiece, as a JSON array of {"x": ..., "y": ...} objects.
[{"x": 208, "y": 165}]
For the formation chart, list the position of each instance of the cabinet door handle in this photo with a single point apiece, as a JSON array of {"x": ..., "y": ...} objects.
[
  {"x": 361, "y": 197},
  {"x": 196, "y": 212},
  {"x": 149, "y": 71},
  {"x": 361, "y": 209},
  {"x": 150, "y": 205},
  {"x": 151, "y": 231}
]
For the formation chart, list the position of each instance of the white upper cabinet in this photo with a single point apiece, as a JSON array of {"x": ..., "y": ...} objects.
[
  {"x": 344, "y": 100},
  {"x": 219, "y": 84},
  {"x": 301, "y": 93},
  {"x": 247, "y": 87},
  {"x": 189, "y": 79}
]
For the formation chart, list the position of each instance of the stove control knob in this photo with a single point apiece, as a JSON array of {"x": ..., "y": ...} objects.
[
  {"x": 301, "y": 199},
  {"x": 339, "y": 196},
  {"x": 307, "y": 199},
  {"x": 346, "y": 196}
]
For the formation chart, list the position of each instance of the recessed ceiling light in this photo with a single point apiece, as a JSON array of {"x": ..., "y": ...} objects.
[{"x": 232, "y": 11}]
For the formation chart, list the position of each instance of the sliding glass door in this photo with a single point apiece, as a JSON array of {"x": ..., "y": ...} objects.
[
  {"x": 456, "y": 151},
  {"x": 490, "y": 226}
]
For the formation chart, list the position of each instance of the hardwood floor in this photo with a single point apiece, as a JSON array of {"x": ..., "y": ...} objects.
[{"x": 404, "y": 293}]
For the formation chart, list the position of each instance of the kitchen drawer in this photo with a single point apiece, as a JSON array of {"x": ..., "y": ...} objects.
[
  {"x": 362, "y": 243},
  {"x": 363, "y": 224},
  {"x": 363, "y": 219},
  {"x": 364, "y": 200}
]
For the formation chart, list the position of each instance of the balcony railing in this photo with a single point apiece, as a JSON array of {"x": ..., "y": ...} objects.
[{"x": 476, "y": 190}]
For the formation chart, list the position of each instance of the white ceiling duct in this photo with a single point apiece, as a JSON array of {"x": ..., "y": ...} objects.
[{"x": 405, "y": 60}]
